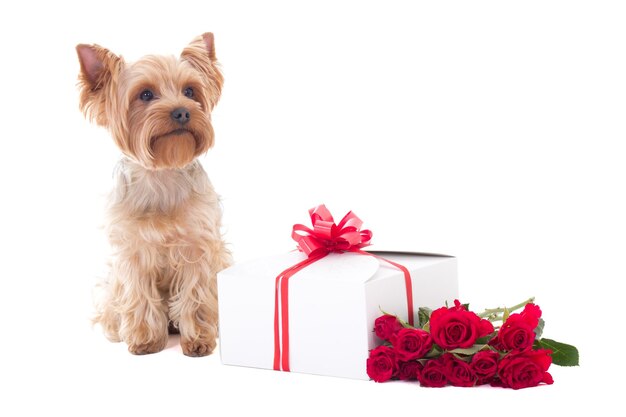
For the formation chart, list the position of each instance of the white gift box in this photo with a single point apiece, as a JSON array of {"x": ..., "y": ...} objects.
[{"x": 333, "y": 303}]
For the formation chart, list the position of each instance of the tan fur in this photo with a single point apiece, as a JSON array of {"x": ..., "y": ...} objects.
[{"x": 164, "y": 216}]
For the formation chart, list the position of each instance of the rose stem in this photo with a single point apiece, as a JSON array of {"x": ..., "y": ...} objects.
[{"x": 490, "y": 311}]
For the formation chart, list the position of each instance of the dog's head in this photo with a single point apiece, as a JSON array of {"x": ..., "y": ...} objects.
[{"x": 158, "y": 109}]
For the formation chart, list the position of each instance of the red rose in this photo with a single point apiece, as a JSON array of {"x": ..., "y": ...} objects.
[
  {"x": 412, "y": 344},
  {"x": 382, "y": 364},
  {"x": 455, "y": 327},
  {"x": 485, "y": 365},
  {"x": 407, "y": 371},
  {"x": 523, "y": 369},
  {"x": 387, "y": 326},
  {"x": 518, "y": 331},
  {"x": 434, "y": 374},
  {"x": 460, "y": 374}
]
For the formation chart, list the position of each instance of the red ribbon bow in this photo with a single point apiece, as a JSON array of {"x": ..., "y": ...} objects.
[
  {"x": 316, "y": 243},
  {"x": 326, "y": 236}
]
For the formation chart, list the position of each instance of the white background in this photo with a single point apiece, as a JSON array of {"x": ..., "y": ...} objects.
[{"x": 489, "y": 130}]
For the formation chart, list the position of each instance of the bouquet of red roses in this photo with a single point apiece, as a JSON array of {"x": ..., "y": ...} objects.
[{"x": 452, "y": 345}]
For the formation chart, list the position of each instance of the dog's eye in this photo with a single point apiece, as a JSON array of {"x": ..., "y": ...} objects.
[
  {"x": 146, "y": 95},
  {"x": 188, "y": 92}
]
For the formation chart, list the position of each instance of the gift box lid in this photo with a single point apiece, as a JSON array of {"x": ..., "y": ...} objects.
[{"x": 338, "y": 267}]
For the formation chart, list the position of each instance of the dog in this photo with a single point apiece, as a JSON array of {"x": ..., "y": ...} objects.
[{"x": 164, "y": 216}]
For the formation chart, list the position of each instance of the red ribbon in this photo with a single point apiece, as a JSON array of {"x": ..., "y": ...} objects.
[{"x": 325, "y": 237}]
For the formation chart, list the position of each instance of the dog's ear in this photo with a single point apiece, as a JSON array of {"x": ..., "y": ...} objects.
[
  {"x": 99, "y": 71},
  {"x": 200, "y": 53}
]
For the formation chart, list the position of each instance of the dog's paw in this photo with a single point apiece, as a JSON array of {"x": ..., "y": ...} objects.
[
  {"x": 146, "y": 348},
  {"x": 197, "y": 348}
]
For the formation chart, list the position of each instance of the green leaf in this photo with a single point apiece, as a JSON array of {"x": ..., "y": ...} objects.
[
  {"x": 467, "y": 358},
  {"x": 384, "y": 312},
  {"x": 468, "y": 351},
  {"x": 562, "y": 354},
  {"x": 539, "y": 328},
  {"x": 402, "y": 322},
  {"x": 485, "y": 339},
  {"x": 423, "y": 316},
  {"x": 434, "y": 352},
  {"x": 505, "y": 314},
  {"x": 405, "y": 324}
]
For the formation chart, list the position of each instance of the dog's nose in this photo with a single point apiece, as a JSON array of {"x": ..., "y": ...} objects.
[{"x": 181, "y": 115}]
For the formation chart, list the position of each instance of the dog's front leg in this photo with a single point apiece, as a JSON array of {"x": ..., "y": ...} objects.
[
  {"x": 142, "y": 311},
  {"x": 193, "y": 300}
]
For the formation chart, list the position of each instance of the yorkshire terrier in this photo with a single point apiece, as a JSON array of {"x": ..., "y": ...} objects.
[{"x": 164, "y": 215}]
